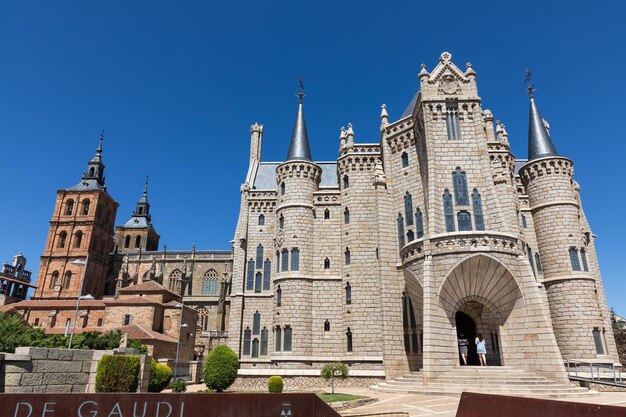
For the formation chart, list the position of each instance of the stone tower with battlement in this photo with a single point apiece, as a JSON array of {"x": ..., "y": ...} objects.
[
  {"x": 382, "y": 258},
  {"x": 81, "y": 230}
]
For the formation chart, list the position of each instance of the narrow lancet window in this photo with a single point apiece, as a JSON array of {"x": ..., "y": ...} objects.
[
  {"x": 267, "y": 274},
  {"x": 448, "y": 210},
  {"x": 295, "y": 259},
  {"x": 452, "y": 122},
  {"x": 419, "y": 224},
  {"x": 405, "y": 159},
  {"x": 478, "y": 210},
  {"x": 261, "y": 220},
  {"x": 346, "y": 216},
  {"x": 573, "y": 257},
  {"x": 408, "y": 208},
  {"x": 400, "y": 222},
  {"x": 346, "y": 181},
  {"x": 460, "y": 187},
  {"x": 348, "y": 293},
  {"x": 347, "y": 256},
  {"x": 259, "y": 256},
  {"x": 250, "y": 277},
  {"x": 583, "y": 257}
]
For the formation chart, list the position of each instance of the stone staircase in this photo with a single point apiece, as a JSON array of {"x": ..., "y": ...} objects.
[{"x": 502, "y": 380}]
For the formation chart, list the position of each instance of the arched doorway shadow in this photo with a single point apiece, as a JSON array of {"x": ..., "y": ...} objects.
[
  {"x": 478, "y": 296},
  {"x": 466, "y": 329}
]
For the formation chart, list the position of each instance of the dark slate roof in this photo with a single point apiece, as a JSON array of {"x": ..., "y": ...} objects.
[
  {"x": 299, "y": 149},
  {"x": 265, "y": 178},
  {"x": 539, "y": 142},
  {"x": 518, "y": 164},
  {"x": 409, "y": 109},
  {"x": 137, "y": 223},
  {"x": 87, "y": 185}
]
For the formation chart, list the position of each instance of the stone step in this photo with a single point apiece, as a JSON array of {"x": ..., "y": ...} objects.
[
  {"x": 464, "y": 387},
  {"x": 563, "y": 392},
  {"x": 475, "y": 383}
]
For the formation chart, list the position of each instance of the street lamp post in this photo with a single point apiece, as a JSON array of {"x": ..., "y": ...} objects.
[{"x": 80, "y": 295}]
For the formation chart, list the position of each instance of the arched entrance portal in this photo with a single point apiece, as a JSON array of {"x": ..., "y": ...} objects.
[{"x": 466, "y": 327}]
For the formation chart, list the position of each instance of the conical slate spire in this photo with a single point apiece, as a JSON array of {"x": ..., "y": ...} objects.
[
  {"x": 299, "y": 149},
  {"x": 144, "y": 197},
  {"x": 539, "y": 142}
]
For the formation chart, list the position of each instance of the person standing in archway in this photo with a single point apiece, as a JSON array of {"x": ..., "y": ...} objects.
[
  {"x": 463, "y": 342},
  {"x": 481, "y": 349}
]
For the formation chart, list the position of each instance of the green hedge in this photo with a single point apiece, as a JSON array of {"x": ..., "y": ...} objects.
[
  {"x": 220, "y": 368},
  {"x": 117, "y": 373},
  {"x": 160, "y": 376},
  {"x": 275, "y": 384}
]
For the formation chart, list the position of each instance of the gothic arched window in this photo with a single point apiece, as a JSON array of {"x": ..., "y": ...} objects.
[
  {"x": 261, "y": 220},
  {"x": 279, "y": 297},
  {"x": 175, "y": 280},
  {"x": 327, "y": 326},
  {"x": 524, "y": 222},
  {"x": 400, "y": 221},
  {"x": 55, "y": 279},
  {"x": 256, "y": 322},
  {"x": 258, "y": 278},
  {"x": 287, "y": 339},
  {"x": 349, "y": 340},
  {"x": 419, "y": 223},
  {"x": 346, "y": 181},
  {"x": 69, "y": 207},
  {"x": 583, "y": 257},
  {"x": 127, "y": 241},
  {"x": 247, "y": 335},
  {"x": 250, "y": 276},
  {"x": 282, "y": 188},
  {"x": 326, "y": 214},
  {"x": 78, "y": 239},
  {"x": 478, "y": 210},
  {"x": 277, "y": 339},
  {"x": 346, "y": 216},
  {"x": 538, "y": 263},
  {"x": 405, "y": 159},
  {"x": 448, "y": 210},
  {"x": 465, "y": 221},
  {"x": 203, "y": 319},
  {"x": 408, "y": 208},
  {"x": 348, "y": 293},
  {"x": 86, "y": 204},
  {"x": 295, "y": 259},
  {"x": 347, "y": 256},
  {"x": 573, "y": 257},
  {"x": 259, "y": 256},
  {"x": 267, "y": 274},
  {"x": 410, "y": 236},
  {"x": 62, "y": 239},
  {"x": 326, "y": 263},
  {"x": 284, "y": 260},
  {"x": 138, "y": 241},
  {"x": 452, "y": 122},
  {"x": 210, "y": 282},
  {"x": 68, "y": 279},
  {"x": 264, "y": 339},
  {"x": 460, "y": 187},
  {"x": 281, "y": 221}
]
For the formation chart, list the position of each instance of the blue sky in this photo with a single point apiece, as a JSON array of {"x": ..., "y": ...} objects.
[{"x": 176, "y": 85}]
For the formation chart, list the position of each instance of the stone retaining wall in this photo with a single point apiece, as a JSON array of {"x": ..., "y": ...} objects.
[
  {"x": 259, "y": 383},
  {"x": 44, "y": 370}
]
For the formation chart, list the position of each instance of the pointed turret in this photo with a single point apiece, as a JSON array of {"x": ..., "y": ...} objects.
[
  {"x": 93, "y": 178},
  {"x": 299, "y": 149},
  {"x": 141, "y": 216},
  {"x": 539, "y": 142}
]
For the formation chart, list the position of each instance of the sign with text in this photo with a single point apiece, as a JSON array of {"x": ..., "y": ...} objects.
[{"x": 164, "y": 405}]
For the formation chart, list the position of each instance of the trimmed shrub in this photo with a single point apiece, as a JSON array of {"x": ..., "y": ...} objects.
[
  {"x": 179, "y": 385},
  {"x": 160, "y": 376},
  {"x": 117, "y": 373},
  {"x": 220, "y": 368},
  {"x": 275, "y": 384}
]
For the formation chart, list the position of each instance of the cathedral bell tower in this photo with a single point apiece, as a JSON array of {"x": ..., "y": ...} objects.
[
  {"x": 572, "y": 281},
  {"x": 80, "y": 237},
  {"x": 138, "y": 233}
]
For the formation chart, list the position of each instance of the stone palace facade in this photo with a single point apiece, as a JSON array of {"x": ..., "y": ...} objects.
[{"x": 379, "y": 259}]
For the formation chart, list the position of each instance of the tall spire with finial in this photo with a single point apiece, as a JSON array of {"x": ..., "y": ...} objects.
[
  {"x": 539, "y": 142},
  {"x": 299, "y": 149},
  {"x": 95, "y": 167}
]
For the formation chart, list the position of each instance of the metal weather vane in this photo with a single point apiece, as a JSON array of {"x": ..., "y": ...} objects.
[{"x": 530, "y": 88}]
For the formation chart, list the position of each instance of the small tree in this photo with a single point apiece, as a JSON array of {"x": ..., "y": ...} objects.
[
  {"x": 117, "y": 373},
  {"x": 334, "y": 370},
  {"x": 160, "y": 376},
  {"x": 220, "y": 368},
  {"x": 275, "y": 384}
]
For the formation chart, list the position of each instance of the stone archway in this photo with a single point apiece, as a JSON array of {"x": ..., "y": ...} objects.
[{"x": 484, "y": 290}]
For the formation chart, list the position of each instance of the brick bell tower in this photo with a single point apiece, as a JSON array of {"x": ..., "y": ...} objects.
[{"x": 81, "y": 230}]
